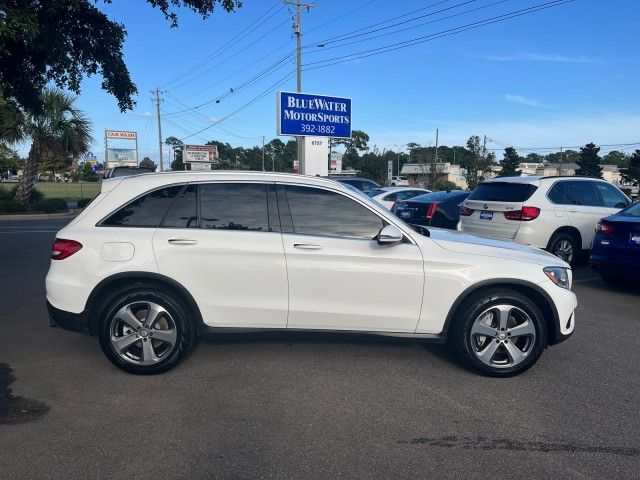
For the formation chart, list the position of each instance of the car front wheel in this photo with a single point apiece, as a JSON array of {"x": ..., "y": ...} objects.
[
  {"x": 146, "y": 331},
  {"x": 499, "y": 332}
]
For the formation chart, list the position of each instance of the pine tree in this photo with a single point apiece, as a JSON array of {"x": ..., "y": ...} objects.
[
  {"x": 589, "y": 162},
  {"x": 510, "y": 163},
  {"x": 632, "y": 173}
]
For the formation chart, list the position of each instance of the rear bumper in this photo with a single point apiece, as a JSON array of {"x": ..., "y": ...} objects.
[
  {"x": 74, "y": 322},
  {"x": 618, "y": 266}
]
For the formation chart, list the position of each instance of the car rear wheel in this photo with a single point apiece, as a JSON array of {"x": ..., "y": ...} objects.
[
  {"x": 499, "y": 332},
  {"x": 146, "y": 331},
  {"x": 564, "y": 246}
]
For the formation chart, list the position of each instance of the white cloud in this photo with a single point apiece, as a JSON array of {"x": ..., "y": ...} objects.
[
  {"x": 140, "y": 114},
  {"x": 522, "y": 100},
  {"x": 539, "y": 57}
]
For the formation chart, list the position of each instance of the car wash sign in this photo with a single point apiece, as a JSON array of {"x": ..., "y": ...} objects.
[{"x": 305, "y": 114}]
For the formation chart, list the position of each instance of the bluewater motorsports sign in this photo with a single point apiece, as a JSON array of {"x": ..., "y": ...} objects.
[{"x": 306, "y": 114}]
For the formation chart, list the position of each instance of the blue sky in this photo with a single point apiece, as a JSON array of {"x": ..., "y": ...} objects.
[{"x": 559, "y": 77}]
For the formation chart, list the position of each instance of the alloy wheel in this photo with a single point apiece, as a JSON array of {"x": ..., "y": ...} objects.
[
  {"x": 502, "y": 336},
  {"x": 143, "y": 333},
  {"x": 564, "y": 250}
]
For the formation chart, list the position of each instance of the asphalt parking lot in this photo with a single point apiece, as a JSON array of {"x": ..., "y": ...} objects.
[{"x": 323, "y": 406}]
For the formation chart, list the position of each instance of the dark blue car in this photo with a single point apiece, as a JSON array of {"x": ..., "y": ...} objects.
[{"x": 616, "y": 246}]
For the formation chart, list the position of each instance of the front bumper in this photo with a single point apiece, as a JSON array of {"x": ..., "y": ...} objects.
[{"x": 75, "y": 322}]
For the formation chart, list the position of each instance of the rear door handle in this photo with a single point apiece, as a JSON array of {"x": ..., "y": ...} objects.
[
  {"x": 307, "y": 246},
  {"x": 182, "y": 241}
]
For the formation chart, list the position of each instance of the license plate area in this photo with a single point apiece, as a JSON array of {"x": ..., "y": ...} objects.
[{"x": 486, "y": 215}]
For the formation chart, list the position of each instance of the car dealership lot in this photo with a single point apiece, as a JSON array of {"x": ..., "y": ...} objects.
[{"x": 314, "y": 406}]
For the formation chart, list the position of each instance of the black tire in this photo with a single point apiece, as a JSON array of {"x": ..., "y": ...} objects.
[
  {"x": 185, "y": 330},
  {"x": 559, "y": 240},
  {"x": 460, "y": 337}
]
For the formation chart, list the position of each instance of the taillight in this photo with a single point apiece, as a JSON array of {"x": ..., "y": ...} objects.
[
  {"x": 431, "y": 210},
  {"x": 524, "y": 214},
  {"x": 64, "y": 248},
  {"x": 605, "y": 228},
  {"x": 465, "y": 211}
]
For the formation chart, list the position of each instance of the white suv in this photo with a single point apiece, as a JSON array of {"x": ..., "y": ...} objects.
[
  {"x": 157, "y": 260},
  {"x": 558, "y": 214}
]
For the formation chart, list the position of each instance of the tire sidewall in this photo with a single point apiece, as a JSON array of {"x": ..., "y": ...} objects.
[
  {"x": 185, "y": 330},
  {"x": 558, "y": 237},
  {"x": 478, "y": 304}
]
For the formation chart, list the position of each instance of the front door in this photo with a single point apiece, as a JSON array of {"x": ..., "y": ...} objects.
[
  {"x": 339, "y": 277},
  {"x": 222, "y": 242}
]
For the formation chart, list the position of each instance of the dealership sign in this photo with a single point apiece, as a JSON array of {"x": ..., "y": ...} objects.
[
  {"x": 304, "y": 114},
  {"x": 200, "y": 154},
  {"x": 120, "y": 134}
]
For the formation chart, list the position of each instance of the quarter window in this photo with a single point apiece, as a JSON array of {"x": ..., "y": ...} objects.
[
  {"x": 556, "y": 194},
  {"x": 316, "y": 211},
  {"x": 234, "y": 206},
  {"x": 145, "y": 211}
]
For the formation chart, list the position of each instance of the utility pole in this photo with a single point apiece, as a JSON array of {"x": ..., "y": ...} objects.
[
  {"x": 561, "y": 161},
  {"x": 158, "y": 99},
  {"x": 263, "y": 153},
  {"x": 297, "y": 30},
  {"x": 484, "y": 147}
]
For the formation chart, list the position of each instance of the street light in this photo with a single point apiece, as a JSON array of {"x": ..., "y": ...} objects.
[{"x": 398, "y": 149}]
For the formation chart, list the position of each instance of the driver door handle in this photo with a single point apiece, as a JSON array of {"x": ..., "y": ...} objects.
[
  {"x": 182, "y": 241},
  {"x": 307, "y": 246}
]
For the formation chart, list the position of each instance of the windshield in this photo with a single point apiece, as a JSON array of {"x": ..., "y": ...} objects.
[
  {"x": 632, "y": 211},
  {"x": 503, "y": 192}
]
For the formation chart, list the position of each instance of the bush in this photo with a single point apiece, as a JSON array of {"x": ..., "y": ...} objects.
[
  {"x": 10, "y": 206},
  {"x": 10, "y": 194},
  {"x": 83, "y": 202},
  {"x": 50, "y": 205},
  {"x": 446, "y": 185}
]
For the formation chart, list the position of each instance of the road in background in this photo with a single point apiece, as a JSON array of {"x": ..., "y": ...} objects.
[{"x": 311, "y": 406}]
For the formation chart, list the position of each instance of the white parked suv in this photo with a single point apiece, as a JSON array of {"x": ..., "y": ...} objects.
[
  {"x": 558, "y": 214},
  {"x": 157, "y": 260}
]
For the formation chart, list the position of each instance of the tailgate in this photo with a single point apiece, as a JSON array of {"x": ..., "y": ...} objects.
[{"x": 488, "y": 219}]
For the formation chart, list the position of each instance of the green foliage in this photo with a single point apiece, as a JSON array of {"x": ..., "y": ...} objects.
[
  {"x": 510, "y": 163},
  {"x": 615, "y": 157},
  {"x": 10, "y": 206},
  {"x": 148, "y": 163},
  {"x": 11, "y": 194},
  {"x": 477, "y": 163},
  {"x": 589, "y": 162},
  {"x": 50, "y": 205},
  {"x": 359, "y": 142},
  {"x": 445, "y": 185},
  {"x": 60, "y": 41},
  {"x": 632, "y": 172}
]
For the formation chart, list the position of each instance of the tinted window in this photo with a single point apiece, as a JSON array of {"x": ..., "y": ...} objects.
[
  {"x": 611, "y": 196},
  {"x": 320, "y": 212},
  {"x": 503, "y": 192},
  {"x": 146, "y": 211},
  {"x": 353, "y": 183},
  {"x": 123, "y": 172},
  {"x": 582, "y": 193},
  {"x": 392, "y": 197},
  {"x": 556, "y": 194},
  {"x": 439, "y": 196},
  {"x": 632, "y": 211},
  {"x": 373, "y": 193},
  {"x": 234, "y": 206},
  {"x": 184, "y": 212},
  {"x": 368, "y": 185}
]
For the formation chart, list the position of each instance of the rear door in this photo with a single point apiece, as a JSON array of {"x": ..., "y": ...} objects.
[
  {"x": 584, "y": 208},
  {"x": 489, "y": 202},
  {"x": 222, "y": 242}
]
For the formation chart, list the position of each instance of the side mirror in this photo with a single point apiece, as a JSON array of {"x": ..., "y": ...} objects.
[{"x": 390, "y": 235}]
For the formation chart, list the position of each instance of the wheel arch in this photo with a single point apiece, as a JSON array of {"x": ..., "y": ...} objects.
[
  {"x": 531, "y": 290},
  {"x": 121, "y": 282},
  {"x": 573, "y": 231}
]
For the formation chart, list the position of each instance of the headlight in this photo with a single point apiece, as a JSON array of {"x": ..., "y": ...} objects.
[{"x": 559, "y": 275}]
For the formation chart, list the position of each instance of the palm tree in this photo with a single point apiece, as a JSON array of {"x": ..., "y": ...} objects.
[{"x": 58, "y": 130}]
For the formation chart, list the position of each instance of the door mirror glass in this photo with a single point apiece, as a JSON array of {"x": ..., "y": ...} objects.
[{"x": 390, "y": 235}]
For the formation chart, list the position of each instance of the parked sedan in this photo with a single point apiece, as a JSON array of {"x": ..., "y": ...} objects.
[
  {"x": 615, "y": 252},
  {"x": 437, "y": 209},
  {"x": 389, "y": 196}
]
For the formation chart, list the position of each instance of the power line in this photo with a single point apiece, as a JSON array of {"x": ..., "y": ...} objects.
[
  {"x": 433, "y": 36},
  {"x": 210, "y": 56}
]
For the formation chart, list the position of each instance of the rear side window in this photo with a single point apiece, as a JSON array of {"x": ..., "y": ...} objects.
[
  {"x": 145, "y": 211},
  {"x": 503, "y": 192},
  {"x": 582, "y": 193},
  {"x": 556, "y": 194},
  {"x": 184, "y": 212},
  {"x": 234, "y": 206},
  {"x": 315, "y": 211},
  {"x": 632, "y": 211}
]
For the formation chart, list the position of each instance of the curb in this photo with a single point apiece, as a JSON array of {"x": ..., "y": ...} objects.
[{"x": 40, "y": 216}]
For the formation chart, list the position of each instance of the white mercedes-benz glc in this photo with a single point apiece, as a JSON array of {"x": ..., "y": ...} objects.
[{"x": 157, "y": 260}]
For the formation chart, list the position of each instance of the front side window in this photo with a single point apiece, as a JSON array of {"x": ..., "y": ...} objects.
[
  {"x": 315, "y": 211},
  {"x": 145, "y": 211},
  {"x": 234, "y": 206},
  {"x": 611, "y": 196},
  {"x": 582, "y": 193}
]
